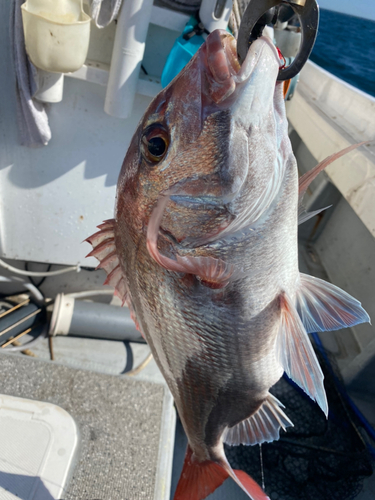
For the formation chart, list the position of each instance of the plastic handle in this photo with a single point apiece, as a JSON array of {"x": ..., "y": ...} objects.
[{"x": 214, "y": 14}]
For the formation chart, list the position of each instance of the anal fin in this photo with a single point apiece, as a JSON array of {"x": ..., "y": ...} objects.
[
  {"x": 262, "y": 427},
  {"x": 325, "y": 307},
  {"x": 296, "y": 354}
]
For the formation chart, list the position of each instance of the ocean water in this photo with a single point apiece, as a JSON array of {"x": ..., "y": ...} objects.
[{"x": 345, "y": 46}]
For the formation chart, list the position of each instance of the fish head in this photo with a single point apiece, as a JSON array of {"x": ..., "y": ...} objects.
[{"x": 210, "y": 140}]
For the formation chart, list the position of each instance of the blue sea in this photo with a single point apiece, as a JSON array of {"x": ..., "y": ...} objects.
[{"x": 345, "y": 46}]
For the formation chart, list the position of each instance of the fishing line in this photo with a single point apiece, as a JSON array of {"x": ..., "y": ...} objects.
[{"x": 261, "y": 465}]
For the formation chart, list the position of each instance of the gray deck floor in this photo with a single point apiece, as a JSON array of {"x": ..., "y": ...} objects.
[{"x": 126, "y": 425}]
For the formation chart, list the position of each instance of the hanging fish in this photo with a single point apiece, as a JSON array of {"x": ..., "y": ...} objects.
[{"x": 203, "y": 249}]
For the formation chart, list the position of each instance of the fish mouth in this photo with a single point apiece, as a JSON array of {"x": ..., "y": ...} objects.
[{"x": 226, "y": 74}]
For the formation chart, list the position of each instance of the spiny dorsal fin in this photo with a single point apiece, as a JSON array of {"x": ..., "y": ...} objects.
[
  {"x": 104, "y": 249},
  {"x": 325, "y": 307},
  {"x": 296, "y": 354},
  {"x": 262, "y": 427},
  {"x": 307, "y": 178}
]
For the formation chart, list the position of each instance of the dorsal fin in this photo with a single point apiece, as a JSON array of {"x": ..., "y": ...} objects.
[
  {"x": 307, "y": 178},
  {"x": 262, "y": 427},
  {"x": 104, "y": 249}
]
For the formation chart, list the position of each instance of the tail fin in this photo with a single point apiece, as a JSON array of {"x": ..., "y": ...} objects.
[
  {"x": 245, "y": 482},
  {"x": 251, "y": 487},
  {"x": 200, "y": 479}
]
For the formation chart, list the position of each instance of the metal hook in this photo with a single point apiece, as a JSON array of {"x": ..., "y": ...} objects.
[{"x": 308, "y": 14}]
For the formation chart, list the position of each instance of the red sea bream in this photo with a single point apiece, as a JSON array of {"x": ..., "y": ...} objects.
[{"x": 203, "y": 249}]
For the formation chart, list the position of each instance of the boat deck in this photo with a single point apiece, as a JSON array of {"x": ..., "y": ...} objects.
[{"x": 125, "y": 426}]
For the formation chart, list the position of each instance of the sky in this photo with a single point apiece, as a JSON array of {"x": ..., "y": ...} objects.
[{"x": 359, "y": 8}]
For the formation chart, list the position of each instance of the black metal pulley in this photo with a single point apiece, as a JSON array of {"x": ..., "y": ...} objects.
[{"x": 261, "y": 12}]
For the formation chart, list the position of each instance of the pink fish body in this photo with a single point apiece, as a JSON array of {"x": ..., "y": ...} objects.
[{"x": 203, "y": 249}]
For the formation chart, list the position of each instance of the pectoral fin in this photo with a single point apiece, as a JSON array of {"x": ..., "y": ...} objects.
[
  {"x": 263, "y": 426},
  {"x": 296, "y": 354},
  {"x": 214, "y": 273},
  {"x": 325, "y": 307}
]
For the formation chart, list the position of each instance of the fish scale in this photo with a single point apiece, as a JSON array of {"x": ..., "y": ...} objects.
[{"x": 205, "y": 234}]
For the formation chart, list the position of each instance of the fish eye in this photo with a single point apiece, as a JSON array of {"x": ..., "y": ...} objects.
[
  {"x": 155, "y": 142},
  {"x": 157, "y": 146}
]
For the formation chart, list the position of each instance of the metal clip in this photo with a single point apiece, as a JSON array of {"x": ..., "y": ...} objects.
[{"x": 308, "y": 14}]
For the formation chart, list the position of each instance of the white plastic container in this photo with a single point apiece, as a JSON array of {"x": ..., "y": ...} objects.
[
  {"x": 38, "y": 444},
  {"x": 57, "y": 34}
]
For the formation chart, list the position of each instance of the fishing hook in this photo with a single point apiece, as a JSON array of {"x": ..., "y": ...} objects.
[{"x": 308, "y": 15}]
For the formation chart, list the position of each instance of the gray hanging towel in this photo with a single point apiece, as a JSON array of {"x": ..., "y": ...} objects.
[{"x": 32, "y": 118}]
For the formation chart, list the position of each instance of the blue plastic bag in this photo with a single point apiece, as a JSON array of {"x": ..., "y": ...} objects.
[{"x": 181, "y": 53}]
